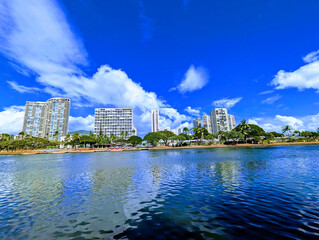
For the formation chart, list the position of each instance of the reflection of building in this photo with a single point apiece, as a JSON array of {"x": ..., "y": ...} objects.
[
  {"x": 207, "y": 123},
  {"x": 155, "y": 120},
  {"x": 197, "y": 123},
  {"x": 48, "y": 119},
  {"x": 117, "y": 121},
  {"x": 231, "y": 120}
]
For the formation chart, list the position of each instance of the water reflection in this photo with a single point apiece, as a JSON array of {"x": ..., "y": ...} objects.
[{"x": 206, "y": 193}]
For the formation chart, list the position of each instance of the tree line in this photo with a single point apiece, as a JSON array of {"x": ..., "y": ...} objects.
[{"x": 242, "y": 133}]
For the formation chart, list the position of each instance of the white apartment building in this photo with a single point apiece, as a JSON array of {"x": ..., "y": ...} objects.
[
  {"x": 197, "y": 123},
  {"x": 177, "y": 131},
  {"x": 117, "y": 121},
  {"x": 155, "y": 120},
  {"x": 220, "y": 120},
  {"x": 231, "y": 120},
  {"x": 207, "y": 123},
  {"x": 48, "y": 119}
]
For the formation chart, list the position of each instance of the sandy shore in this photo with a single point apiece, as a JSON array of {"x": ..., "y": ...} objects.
[{"x": 88, "y": 150}]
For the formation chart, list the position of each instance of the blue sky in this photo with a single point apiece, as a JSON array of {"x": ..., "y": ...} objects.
[{"x": 257, "y": 58}]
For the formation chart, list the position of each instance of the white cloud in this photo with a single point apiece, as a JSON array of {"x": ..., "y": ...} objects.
[
  {"x": 11, "y": 119},
  {"x": 36, "y": 36},
  {"x": 194, "y": 79},
  {"x": 305, "y": 77},
  {"x": 303, "y": 123},
  {"x": 311, "y": 57},
  {"x": 291, "y": 121},
  {"x": 170, "y": 117},
  {"x": 22, "y": 89},
  {"x": 185, "y": 124},
  {"x": 271, "y": 100},
  {"x": 266, "y": 92},
  {"x": 226, "y": 102},
  {"x": 192, "y": 111},
  {"x": 252, "y": 121},
  {"x": 81, "y": 123}
]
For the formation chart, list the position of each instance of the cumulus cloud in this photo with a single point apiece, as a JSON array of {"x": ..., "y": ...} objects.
[
  {"x": 303, "y": 123},
  {"x": 271, "y": 100},
  {"x": 21, "y": 88},
  {"x": 37, "y": 37},
  {"x": 194, "y": 79},
  {"x": 11, "y": 119},
  {"x": 227, "y": 102},
  {"x": 192, "y": 111},
  {"x": 306, "y": 77},
  {"x": 81, "y": 123}
]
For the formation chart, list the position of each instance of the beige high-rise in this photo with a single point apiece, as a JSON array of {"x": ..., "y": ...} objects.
[{"x": 45, "y": 119}]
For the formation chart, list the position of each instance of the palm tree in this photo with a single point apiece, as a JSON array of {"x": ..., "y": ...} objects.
[
  {"x": 56, "y": 135},
  {"x": 21, "y": 134},
  {"x": 133, "y": 131},
  {"x": 286, "y": 129},
  {"x": 185, "y": 130},
  {"x": 244, "y": 129},
  {"x": 113, "y": 137}
]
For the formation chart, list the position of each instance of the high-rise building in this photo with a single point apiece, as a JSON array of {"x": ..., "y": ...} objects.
[
  {"x": 220, "y": 120},
  {"x": 207, "y": 123},
  {"x": 117, "y": 121},
  {"x": 197, "y": 123},
  {"x": 177, "y": 131},
  {"x": 231, "y": 120},
  {"x": 48, "y": 119},
  {"x": 155, "y": 120}
]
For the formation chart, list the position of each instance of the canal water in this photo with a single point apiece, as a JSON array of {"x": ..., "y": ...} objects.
[{"x": 233, "y": 193}]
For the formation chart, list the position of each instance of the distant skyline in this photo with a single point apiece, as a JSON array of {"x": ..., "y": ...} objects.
[{"x": 259, "y": 59}]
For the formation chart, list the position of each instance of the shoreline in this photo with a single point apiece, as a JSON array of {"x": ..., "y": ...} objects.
[{"x": 88, "y": 150}]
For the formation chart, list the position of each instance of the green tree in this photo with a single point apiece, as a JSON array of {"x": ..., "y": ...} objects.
[
  {"x": 135, "y": 140},
  {"x": 21, "y": 135},
  {"x": 244, "y": 129},
  {"x": 286, "y": 129},
  {"x": 153, "y": 138},
  {"x": 166, "y": 135},
  {"x": 56, "y": 135},
  {"x": 200, "y": 133}
]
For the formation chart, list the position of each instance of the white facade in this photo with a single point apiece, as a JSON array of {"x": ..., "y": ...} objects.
[
  {"x": 207, "y": 123},
  {"x": 231, "y": 120},
  {"x": 117, "y": 121},
  {"x": 165, "y": 129},
  {"x": 48, "y": 119},
  {"x": 197, "y": 123},
  {"x": 220, "y": 120},
  {"x": 177, "y": 131},
  {"x": 155, "y": 120}
]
